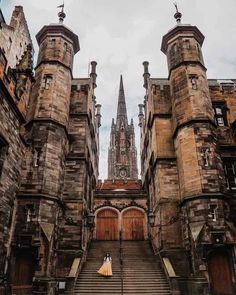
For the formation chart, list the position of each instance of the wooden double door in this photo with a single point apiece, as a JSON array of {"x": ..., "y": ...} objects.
[
  {"x": 220, "y": 273},
  {"x": 110, "y": 223}
]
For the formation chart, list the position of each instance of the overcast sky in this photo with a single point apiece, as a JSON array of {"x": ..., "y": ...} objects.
[{"x": 121, "y": 34}]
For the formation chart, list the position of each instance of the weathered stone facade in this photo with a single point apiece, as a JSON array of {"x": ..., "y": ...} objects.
[
  {"x": 52, "y": 204},
  {"x": 187, "y": 140},
  {"x": 14, "y": 76},
  {"x": 11, "y": 45},
  {"x": 48, "y": 159}
]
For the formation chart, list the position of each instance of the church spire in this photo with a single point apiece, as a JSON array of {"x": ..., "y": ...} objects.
[
  {"x": 121, "y": 116},
  {"x": 122, "y": 153}
]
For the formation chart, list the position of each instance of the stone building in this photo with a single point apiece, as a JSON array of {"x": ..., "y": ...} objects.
[
  {"x": 16, "y": 78},
  {"x": 55, "y": 213},
  {"x": 48, "y": 157},
  {"x": 188, "y": 166}
]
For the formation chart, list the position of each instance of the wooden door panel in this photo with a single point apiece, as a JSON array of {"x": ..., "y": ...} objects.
[
  {"x": 133, "y": 225},
  {"x": 220, "y": 273},
  {"x": 107, "y": 225},
  {"x": 23, "y": 273}
]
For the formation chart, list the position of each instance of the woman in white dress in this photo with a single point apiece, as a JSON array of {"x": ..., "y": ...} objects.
[{"x": 106, "y": 269}]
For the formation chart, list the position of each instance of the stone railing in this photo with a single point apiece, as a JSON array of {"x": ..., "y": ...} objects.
[
  {"x": 73, "y": 275},
  {"x": 173, "y": 278}
]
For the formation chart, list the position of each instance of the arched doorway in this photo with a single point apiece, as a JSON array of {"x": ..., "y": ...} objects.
[
  {"x": 107, "y": 225},
  {"x": 133, "y": 224},
  {"x": 220, "y": 273}
]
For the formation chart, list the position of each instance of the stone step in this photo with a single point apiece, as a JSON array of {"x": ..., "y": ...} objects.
[{"x": 141, "y": 271}]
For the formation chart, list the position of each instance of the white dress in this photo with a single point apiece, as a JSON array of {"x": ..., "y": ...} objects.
[{"x": 105, "y": 269}]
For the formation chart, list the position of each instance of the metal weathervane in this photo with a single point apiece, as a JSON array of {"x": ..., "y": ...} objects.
[
  {"x": 177, "y": 15},
  {"x": 61, "y": 14}
]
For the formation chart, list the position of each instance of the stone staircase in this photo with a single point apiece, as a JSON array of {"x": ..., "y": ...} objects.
[
  {"x": 141, "y": 272},
  {"x": 89, "y": 281}
]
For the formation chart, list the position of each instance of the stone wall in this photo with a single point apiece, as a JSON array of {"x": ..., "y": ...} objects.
[{"x": 9, "y": 37}]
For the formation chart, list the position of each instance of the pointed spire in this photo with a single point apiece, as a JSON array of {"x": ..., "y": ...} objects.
[{"x": 121, "y": 108}]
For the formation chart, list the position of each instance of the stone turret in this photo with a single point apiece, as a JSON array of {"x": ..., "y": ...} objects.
[
  {"x": 53, "y": 73},
  {"x": 193, "y": 115},
  {"x": 47, "y": 135},
  {"x": 199, "y": 165}
]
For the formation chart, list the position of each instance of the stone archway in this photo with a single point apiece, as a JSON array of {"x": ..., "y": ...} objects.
[
  {"x": 107, "y": 224},
  {"x": 133, "y": 224},
  {"x": 220, "y": 272}
]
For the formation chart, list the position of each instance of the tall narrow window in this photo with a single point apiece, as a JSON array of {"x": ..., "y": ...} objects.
[
  {"x": 198, "y": 48},
  {"x": 186, "y": 44},
  {"x": 36, "y": 157},
  {"x": 230, "y": 173},
  {"x": 3, "y": 153},
  {"x": 30, "y": 212},
  {"x": 65, "y": 46},
  {"x": 193, "y": 80},
  {"x": 53, "y": 42},
  {"x": 220, "y": 114},
  {"x": 213, "y": 212},
  {"x": 47, "y": 80}
]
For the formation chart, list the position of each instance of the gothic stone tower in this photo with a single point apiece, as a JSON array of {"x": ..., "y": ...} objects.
[
  {"x": 122, "y": 153},
  {"x": 40, "y": 197},
  {"x": 183, "y": 167}
]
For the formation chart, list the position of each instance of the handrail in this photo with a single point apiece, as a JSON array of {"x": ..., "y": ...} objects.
[{"x": 121, "y": 263}]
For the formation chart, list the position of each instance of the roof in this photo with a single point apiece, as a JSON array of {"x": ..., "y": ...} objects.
[
  {"x": 58, "y": 29},
  {"x": 183, "y": 30},
  {"x": 159, "y": 81},
  {"x": 211, "y": 82},
  {"x": 218, "y": 82},
  {"x": 80, "y": 81},
  {"x": 119, "y": 185}
]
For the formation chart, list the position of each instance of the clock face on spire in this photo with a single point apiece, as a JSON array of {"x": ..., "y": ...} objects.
[{"x": 123, "y": 172}]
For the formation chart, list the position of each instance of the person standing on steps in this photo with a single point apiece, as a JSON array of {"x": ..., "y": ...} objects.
[{"x": 106, "y": 269}]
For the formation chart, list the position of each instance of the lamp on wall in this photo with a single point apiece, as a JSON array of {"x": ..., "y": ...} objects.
[
  {"x": 90, "y": 219},
  {"x": 151, "y": 218},
  {"x": 172, "y": 220}
]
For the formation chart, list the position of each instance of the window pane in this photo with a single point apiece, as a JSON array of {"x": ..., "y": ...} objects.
[
  {"x": 232, "y": 182},
  {"x": 230, "y": 174},
  {"x": 218, "y": 110},
  {"x": 220, "y": 121}
]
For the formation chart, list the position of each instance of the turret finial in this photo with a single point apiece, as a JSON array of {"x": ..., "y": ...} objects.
[
  {"x": 61, "y": 14},
  {"x": 178, "y": 14}
]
